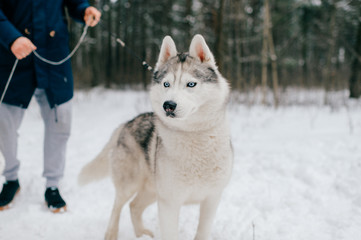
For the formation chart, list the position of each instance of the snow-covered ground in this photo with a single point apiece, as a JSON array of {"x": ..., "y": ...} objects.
[{"x": 297, "y": 175}]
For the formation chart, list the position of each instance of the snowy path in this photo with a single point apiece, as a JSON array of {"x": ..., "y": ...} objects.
[{"x": 297, "y": 175}]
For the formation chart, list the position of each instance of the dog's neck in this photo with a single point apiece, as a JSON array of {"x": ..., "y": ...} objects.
[{"x": 213, "y": 125}]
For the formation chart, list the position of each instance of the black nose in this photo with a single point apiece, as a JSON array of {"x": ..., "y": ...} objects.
[{"x": 169, "y": 106}]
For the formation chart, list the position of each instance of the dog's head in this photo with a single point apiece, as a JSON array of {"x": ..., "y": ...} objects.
[{"x": 188, "y": 91}]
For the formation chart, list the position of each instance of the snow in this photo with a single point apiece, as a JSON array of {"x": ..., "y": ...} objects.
[{"x": 297, "y": 174}]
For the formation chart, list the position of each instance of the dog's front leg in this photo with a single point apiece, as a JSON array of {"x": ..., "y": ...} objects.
[
  {"x": 208, "y": 210},
  {"x": 168, "y": 218},
  {"x": 113, "y": 226}
]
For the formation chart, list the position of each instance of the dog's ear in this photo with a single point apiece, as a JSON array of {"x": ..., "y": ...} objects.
[
  {"x": 200, "y": 50},
  {"x": 167, "y": 50}
]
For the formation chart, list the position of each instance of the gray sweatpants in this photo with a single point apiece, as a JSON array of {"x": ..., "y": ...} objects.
[{"x": 57, "y": 123}]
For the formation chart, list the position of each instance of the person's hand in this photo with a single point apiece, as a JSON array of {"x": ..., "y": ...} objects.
[
  {"x": 92, "y": 16},
  {"x": 22, "y": 47}
]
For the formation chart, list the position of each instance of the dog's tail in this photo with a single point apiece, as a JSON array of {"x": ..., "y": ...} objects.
[{"x": 99, "y": 167}]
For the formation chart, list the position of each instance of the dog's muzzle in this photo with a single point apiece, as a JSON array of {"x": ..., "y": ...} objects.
[{"x": 169, "y": 107}]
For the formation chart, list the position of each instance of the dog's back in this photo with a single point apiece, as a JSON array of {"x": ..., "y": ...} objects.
[{"x": 131, "y": 139}]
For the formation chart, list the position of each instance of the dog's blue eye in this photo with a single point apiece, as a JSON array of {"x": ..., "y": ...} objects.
[
  {"x": 166, "y": 84},
  {"x": 191, "y": 84}
]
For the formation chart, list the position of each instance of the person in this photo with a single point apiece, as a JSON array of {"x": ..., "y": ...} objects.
[{"x": 41, "y": 25}]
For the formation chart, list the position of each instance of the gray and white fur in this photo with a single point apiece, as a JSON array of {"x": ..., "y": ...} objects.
[{"x": 179, "y": 154}]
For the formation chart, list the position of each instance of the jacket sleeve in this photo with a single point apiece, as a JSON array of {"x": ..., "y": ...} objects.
[
  {"x": 77, "y": 8},
  {"x": 8, "y": 33}
]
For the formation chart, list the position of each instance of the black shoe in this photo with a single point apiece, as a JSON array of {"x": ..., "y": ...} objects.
[
  {"x": 54, "y": 201},
  {"x": 9, "y": 191}
]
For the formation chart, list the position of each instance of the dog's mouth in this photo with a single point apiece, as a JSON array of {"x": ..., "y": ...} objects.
[{"x": 170, "y": 114}]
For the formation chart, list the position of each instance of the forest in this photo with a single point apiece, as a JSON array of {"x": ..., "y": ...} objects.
[{"x": 259, "y": 45}]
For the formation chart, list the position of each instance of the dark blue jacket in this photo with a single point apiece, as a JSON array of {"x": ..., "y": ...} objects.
[{"x": 45, "y": 24}]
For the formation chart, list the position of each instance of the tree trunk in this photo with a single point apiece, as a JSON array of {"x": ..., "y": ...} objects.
[
  {"x": 236, "y": 12},
  {"x": 304, "y": 25},
  {"x": 188, "y": 24},
  {"x": 274, "y": 67},
  {"x": 329, "y": 76},
  {"x": 355, "y": 78},
  {"x": 118, "y": 32},
  {"x": 143, "y": 40},
  {"x": 266, "y": 25},
  {"x": 218, "y": 44},
  {"x": 109, "y": 49},
  {"x": 95, "y": 68}
]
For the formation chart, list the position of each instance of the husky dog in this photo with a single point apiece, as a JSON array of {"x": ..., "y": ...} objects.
[{"x": 179, "y": 154}]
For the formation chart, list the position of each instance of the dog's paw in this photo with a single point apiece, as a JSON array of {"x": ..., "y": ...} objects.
[
  {"x": 111, "y": 236},
  {"x": 144, "y": 232}
]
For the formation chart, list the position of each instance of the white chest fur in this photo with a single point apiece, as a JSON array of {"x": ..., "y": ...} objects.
[{"x": 193, "y": 164}]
